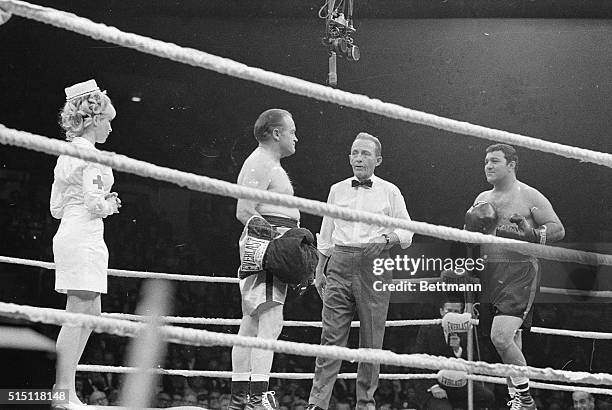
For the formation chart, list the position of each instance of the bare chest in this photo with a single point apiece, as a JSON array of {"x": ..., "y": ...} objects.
[
  {"x": 280, "y": 182},
  {"x": 508, "y": 204}
]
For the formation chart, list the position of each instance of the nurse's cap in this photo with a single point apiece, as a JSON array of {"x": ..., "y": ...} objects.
[{"x": 81, "y": 89}]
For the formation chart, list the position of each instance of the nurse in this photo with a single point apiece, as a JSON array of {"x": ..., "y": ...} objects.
[{"x": 81, "y": 198}]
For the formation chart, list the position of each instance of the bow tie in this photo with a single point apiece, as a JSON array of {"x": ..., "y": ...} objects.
[{"x": 366, "y": 183}]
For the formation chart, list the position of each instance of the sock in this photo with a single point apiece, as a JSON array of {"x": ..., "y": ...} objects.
[
  {"x": 241, "y": 377},
  {"x": 522, "y": 388},
  {"x": 240, "y": 387},
  {"x": 258, "y": 388},
  {"x": 260, "y": 378},
  {"x": 523, "y": 391},
  {"x": 511, "y": 387},
  {"x": 519, "y": 381}
]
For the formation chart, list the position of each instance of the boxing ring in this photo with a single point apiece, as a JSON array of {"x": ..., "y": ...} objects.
[{"x": 134, "y": 326}]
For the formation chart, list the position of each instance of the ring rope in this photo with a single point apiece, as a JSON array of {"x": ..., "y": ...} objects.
[
  {"x": 574, "y": 333},
  {"x": 355, "y": 323},
  {"x": 198, "y": 337},
  {"x": 92, "y": 368},
  {"x": 72, "y": 22},
  {"x": 543, "y": 289},
  {"x": 577, "y": 292},
  {"x": 128, "y": 273},
  {"x": 225, "y": 279},
  {"x": 540, "y": 385},
  {"x": 236, "y": 322},
  {"x": 214, "y": 186},
  {"x": 289, "y": 323}
]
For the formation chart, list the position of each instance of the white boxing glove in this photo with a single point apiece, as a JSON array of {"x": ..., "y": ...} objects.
[
  {"x": 456, "y": 323},
  {"x": 452, "y": 378}
]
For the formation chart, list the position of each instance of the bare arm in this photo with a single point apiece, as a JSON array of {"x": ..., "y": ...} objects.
[
  {"x": 544, "y": 215},
  {"x": 254, "y": 176}
]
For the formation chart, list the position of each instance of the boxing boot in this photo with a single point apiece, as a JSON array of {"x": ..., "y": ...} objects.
[{"x": 240, "y": 395}]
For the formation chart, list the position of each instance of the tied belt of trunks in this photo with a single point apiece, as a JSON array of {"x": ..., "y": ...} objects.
[
  {"x": 281, "y": 221},
  {"x": 290, "y": 257}
]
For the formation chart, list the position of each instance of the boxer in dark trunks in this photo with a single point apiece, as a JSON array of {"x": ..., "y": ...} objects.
[{"x": 512, "y": 209}]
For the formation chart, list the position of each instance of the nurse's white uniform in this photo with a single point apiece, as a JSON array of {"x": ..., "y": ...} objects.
[{"x": 77, "y": 198}]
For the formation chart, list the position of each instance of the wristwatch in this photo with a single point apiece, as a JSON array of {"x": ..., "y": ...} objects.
[{"x": 387, "y": 238}]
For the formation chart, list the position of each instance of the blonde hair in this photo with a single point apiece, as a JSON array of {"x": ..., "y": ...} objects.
[{"x": 79, "y": 113}]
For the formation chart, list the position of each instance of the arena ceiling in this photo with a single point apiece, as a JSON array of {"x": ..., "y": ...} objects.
[{"x": 363, "y": 8}]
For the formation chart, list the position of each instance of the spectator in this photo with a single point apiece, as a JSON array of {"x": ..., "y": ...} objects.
[
  {"x": 177, "y": 399},
  {"x": 342, "y": 405},
  {"x": 583, "y": 400},
  {"x": 113, "y": 397},
  {"x": 190, "y": 399},
  {"x": 300, "y": 404},
  {"x": 213, "y": 400},
  {"x": 164, "y": 400},
  {"x": 98, "y": 398},
  {"x": 432, "y": 340},
  {"x": 203, "y": 400}
]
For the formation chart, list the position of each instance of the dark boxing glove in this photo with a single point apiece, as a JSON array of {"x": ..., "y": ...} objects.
[
  {"x": 481, "y": 217},
  {"x": 292, "y": 258},
  {"x": 522, "y": 230}
]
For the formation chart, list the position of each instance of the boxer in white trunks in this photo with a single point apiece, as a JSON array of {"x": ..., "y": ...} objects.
[{"x": 263, "y": 295}]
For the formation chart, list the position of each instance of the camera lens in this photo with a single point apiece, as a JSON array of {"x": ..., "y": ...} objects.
[
  {"x": 340, "y": 45},
  {"x": 353, "y": 52}
]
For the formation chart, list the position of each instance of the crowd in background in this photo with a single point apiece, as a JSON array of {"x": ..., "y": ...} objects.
[{"x": 141, "y": 238}]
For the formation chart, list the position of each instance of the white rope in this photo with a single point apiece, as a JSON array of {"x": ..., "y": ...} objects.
[
  {"x": 544, "y": 386},
  {"x": 297, "y": 323},
  {"x": 543, "y": 289},
  {"x": 577, "y": 292},
  {"x": 128, "y": 273},
  {"x": 297, "y": 86},
  {"x": 236, "y": 322},
  {"x": 309, "y": 376},
  {"x": 388, "y": 323},
  {"x": 91, "y": 368},
  {"x": 573, "y": 333},
  {"x": 196, "y": 337},
  {"x": 210, "y": 185},
  {"x": 225, "y": 279}
]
